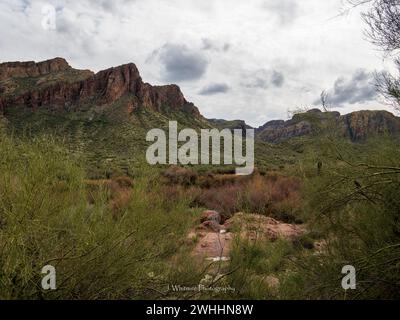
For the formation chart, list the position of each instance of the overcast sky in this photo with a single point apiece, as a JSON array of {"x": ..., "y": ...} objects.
[{"x": 250, "y": 60}]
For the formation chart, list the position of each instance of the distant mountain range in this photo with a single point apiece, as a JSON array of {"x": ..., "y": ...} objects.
[
  {"x": 356, "y": 126},
  {"x": 107, "y": 114}
]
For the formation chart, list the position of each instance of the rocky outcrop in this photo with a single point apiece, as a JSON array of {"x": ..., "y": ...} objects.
[
  {"x": 214, "y": 241},
  {"x": 210, "y": 215},
  {"x": 363, "y": 124},
  {"x": 104, "y": 87},
  {"x": 232, "y": 125},
  {"x": 31, "y": 68},
  {"x": 277, "y": 131},
  {"x": 301, "y": 124},
  {"x": 356, "y": 126},
  {"x": 255, "y": 226},
  {"x": 274, "y": 124}
]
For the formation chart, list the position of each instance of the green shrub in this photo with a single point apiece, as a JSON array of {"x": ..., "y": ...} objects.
[
  {"x": 355, "y": 207},
  {"x": 46, "y": 219}
]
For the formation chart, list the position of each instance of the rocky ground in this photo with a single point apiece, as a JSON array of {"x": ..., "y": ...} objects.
[{"x": 214, "y": 237}]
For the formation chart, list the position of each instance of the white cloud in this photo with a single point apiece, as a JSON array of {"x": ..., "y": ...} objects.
[
  {"x": 286, "y": 11},
  {"x": 296, "y": 38}
]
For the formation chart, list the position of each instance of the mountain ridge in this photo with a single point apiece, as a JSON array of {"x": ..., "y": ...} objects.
[
  {"x": 356, "y": 126},
  {"x": 103, "y": 87},
  {"x": 54, "y": 84},
  {"x": 32, "y": 68},
  {"x": 105, "y": 116}
]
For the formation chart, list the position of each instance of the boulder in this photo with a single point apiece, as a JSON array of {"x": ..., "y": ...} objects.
[
  {"x": 212, "y": 225},
  {"x": 210, "y": 215}
]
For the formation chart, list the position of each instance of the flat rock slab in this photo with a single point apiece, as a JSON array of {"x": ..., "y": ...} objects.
[{"x": 213, "y": 245}]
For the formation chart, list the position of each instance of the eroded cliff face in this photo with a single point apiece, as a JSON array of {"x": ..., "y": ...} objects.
[
  {"x": 278, "y": 131},
  {"x": 356, "y": 126},
  {"x": 104, "y": 87},
  {"x": 31, "y": 68},
  {"x": 302, "y": 124},
  {"x": 362, "y": 124}
]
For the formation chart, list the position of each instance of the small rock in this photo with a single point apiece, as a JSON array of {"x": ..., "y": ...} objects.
[
  {"x": 212, "y": 225},
  {"x": 192, "y": 235},
  {"x": 210, "y": 215}
]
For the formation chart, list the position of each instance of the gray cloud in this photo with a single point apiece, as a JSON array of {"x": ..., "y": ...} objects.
[
  {"x": 214, "y": 88},
  {"x": 181, "y": 63},
  {"x": 259, "y": 79},
  {"x": 359, "y": 88},
  {"x": 114, "y": 6},
  {"x": 286, "y": 11},
  {"x": 277, "y": 79},
  {"x": 263, "y": 79},
  {"x": 208, "y": 44}
]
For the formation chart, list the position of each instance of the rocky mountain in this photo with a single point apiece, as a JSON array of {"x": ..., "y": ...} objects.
[
  {"x": 363, "y": 124},
  {"x": 54, "y": 84},
  {"x": 31, "y": 68},
  {"x": 105, "y": 116},
  {"x": 356, "y": 126}
]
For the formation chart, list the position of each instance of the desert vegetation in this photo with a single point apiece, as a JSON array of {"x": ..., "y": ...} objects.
[
  {"x": 126, "y": 237},
  {"x": 104, "y": 243},
  {"x": 76, "y": 194}
]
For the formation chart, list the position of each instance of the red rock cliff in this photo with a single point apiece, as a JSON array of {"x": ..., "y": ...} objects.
[
  {"x": 32, "y": 69},
  {"x": 105, "y": 87}
]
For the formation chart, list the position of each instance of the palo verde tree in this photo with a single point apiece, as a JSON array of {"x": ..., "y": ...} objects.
[{"x": 383, "y": 29}]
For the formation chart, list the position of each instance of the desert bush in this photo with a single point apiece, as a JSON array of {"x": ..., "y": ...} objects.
[
  {"x": 46, "y": 219},
  {"x": 276, "y": 196},
  {"x": 124, "y": 182},
  {"x": 180, "y": 175},
  {"x": 355, "y": 206},
  {"x": 222, "y": 199},
  {"x": 255, "y": 263},
  {"x": 210, "y": 180}
]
